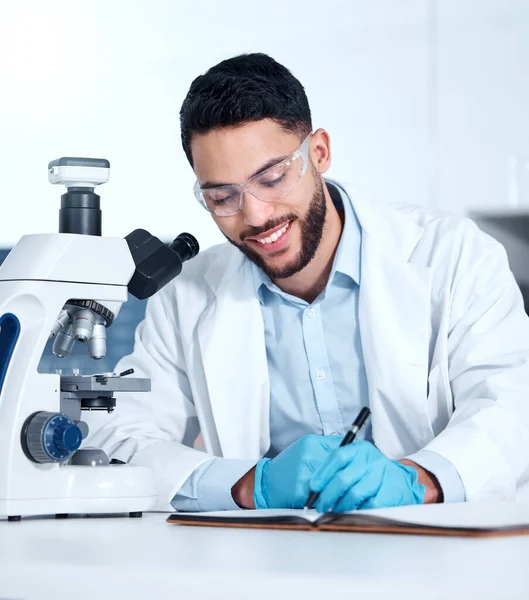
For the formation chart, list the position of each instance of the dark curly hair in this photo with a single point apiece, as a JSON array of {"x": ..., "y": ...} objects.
[{"x": 245, "y": 88}]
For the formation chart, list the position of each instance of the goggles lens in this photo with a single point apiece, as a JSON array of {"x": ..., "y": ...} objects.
[{"x": 269, "y": 186}]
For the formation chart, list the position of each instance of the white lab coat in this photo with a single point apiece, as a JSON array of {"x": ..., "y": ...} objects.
[{"x": 445, "y": 341}]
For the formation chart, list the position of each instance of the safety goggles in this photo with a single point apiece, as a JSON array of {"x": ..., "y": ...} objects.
[{"x": 269, "y": 185}]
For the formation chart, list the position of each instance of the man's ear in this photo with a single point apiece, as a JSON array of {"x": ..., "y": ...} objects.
[{"x": 320, "y": 150}]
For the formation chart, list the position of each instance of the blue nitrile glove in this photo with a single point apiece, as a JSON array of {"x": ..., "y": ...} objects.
[
  {"x": 360, "y": 476},
  {"x": 283, "y": 481}
]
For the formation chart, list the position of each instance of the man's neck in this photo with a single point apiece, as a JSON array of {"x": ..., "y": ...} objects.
[{"x": 311, "y": 281}]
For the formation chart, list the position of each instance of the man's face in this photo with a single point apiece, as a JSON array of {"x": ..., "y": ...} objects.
[{"x": 280, "y": 237}]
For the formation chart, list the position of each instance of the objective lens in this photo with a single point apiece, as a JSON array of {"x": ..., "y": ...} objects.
[
  {"x": 60, "y": 323},
  {"x": 83, "y": 324},
  {"x": 97, "y": 344},
  {"x": 63, "y": 343}
]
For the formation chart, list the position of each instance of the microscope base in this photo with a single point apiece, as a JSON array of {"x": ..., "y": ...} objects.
[{"x": 88, "y": 490}]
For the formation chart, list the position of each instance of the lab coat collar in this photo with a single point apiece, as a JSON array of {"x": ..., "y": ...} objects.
[
  {"x": 231, "y": 342},
  {"x": 394, "y": 309},
  {"x": 389, "y": 228},
  {"x": 233, "y": 349}
]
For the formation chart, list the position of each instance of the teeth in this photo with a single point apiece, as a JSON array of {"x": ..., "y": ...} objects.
[{"x": 275, "y": 236}]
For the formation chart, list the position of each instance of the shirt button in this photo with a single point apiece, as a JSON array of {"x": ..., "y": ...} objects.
[
  {"x": 310, "y": 313},
  {"x": 320, "y": 374}
]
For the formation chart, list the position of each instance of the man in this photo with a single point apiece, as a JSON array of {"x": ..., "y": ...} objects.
[{"x": 321, "y": 303}]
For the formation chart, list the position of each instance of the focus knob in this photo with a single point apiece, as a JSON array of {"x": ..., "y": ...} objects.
[{"x": 50, "y": 437}]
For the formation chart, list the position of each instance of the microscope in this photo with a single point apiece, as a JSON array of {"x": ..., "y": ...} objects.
[{"x": 69, "y": 286}]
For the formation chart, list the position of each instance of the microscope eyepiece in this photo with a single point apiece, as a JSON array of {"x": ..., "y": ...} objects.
[
  {"x": 185, "y": 245},
  {"x": 157, "y": 263}
]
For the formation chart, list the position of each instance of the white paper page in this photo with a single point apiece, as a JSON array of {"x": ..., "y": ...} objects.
[
  {"x": 310, "y": 515},
  {"x": 455, "y": 514},
  {"x": 459, "y": 514}
]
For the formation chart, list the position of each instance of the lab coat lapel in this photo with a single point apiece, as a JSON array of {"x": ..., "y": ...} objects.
[
  {"x": 394, "y": 319},
  {"x": 232, "y": 345}
]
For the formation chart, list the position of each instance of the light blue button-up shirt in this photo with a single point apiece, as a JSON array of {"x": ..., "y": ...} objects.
[{"x": 317, "y": 374}]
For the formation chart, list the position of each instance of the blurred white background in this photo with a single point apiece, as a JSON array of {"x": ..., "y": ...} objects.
[{"x": 425, "y": 100}]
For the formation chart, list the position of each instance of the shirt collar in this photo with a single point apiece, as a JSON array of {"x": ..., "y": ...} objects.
[{"x": 347, "y": 258}]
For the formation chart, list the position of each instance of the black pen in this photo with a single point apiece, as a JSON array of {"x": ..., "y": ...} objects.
[{"x": 348, "y": 438}]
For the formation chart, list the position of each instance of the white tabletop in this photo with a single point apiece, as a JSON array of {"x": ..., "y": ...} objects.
[{"x": 117, "y": 557}]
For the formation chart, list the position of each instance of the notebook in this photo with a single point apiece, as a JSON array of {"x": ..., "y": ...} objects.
[{"x": 478, "y": 519}]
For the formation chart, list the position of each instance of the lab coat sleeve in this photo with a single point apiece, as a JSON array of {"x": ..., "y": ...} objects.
[
  {"x": 155, "y": 429},
  {"x": 445, "y": 473},
  {"x": 209, "y": 486},
  {"x": 487, "y": 437}
]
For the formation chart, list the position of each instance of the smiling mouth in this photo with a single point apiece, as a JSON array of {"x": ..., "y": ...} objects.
[
  {"x": 274, "y": 236},
  {"x": 270, "y": 238},
  {"x": 273, "y": 242}
]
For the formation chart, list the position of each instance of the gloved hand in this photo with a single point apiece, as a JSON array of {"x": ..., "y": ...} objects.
[
  {"x": 360, "y": 476},
  {"x": 283, "y": 481}
]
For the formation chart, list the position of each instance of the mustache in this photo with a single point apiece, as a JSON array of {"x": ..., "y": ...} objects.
[{"x": 266, "y": 227}]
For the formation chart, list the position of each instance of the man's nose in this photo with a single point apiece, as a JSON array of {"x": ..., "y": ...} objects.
[{"x": 255, "y": 212}]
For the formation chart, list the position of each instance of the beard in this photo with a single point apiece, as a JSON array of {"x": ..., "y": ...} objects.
[{"x": 311, "y": 226}]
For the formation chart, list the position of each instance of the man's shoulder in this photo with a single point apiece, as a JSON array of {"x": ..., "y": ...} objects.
[
  {"x": 430, "y": 218},
  {"x": 430, "y": 226},
  {"x": 449, "y": 235},
  {"x": 441, "y": 226}
]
